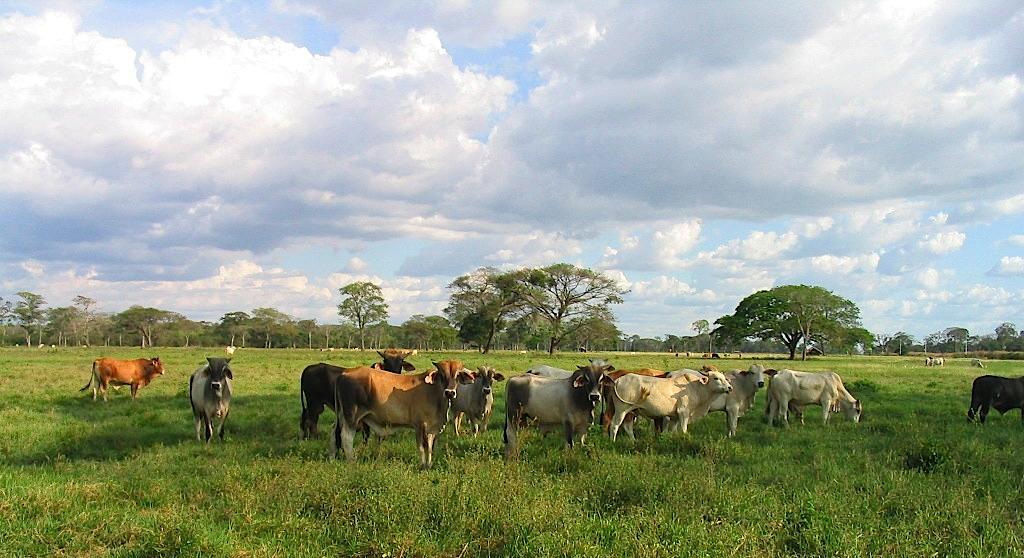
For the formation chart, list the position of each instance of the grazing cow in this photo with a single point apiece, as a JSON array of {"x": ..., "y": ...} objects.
[
  {"x": 976, "y": 362},
  {"x": 393, "y": 360},
  {"x": 209, "y": 391},
  {"x": 995, "y": 391},
  {"x": 684, "y": 398},
  {"x": 316, "y": 387},
  {"x": 793, "y": 390},
  {"x": 475, "y": 400},
  {"x": 545, "y": 371},
  {"x": 230, "y": 349},
  {"x": 745, "y": 384},
  {"x": 137, "y": 373},
  {"x": 934, "y": 361},
  {"x": 381, "y": 400},
  {"x": 567, "y": 402}
]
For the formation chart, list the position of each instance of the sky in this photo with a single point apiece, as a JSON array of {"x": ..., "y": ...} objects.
[{"x": 215, "y": 156}]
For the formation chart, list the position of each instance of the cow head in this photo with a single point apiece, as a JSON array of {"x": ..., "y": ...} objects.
[
  {"x": 587, "y": 381},
  {"x": 718, "y": 382},
  {"x": 154, "y": 367},
  {"x": 447, "y": 375},
  {"x": 218, "y": 373},
  {"x": 393, "y": 360},
  {"x": 486, "y": 376},
  {"x": 756, "y": 374},
  {"x": 851, "y": 409}
]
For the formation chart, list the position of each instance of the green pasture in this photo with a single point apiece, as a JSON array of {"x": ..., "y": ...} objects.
[{"x": 84, "y": 478}]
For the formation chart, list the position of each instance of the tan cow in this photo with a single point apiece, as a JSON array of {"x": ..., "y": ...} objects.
[
  {"x": 382, "y": 400},
  {"x": 794, "y": 390},
  {"x": 683, "y": 398},
  {"x": 137, "y": 373}
]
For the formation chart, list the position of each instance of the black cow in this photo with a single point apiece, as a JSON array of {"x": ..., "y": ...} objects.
[
  {"x": 316, "y": 387},
  {"x": 995, "y": 391}
]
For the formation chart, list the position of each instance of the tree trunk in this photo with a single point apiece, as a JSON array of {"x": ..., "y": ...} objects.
[{"x": 362, "y": 340}]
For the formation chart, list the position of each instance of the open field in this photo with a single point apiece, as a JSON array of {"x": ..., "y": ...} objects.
[{"x": 79, "y": 478}]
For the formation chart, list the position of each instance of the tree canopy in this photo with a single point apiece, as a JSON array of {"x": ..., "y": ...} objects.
[{"x": 362, "y": 303}]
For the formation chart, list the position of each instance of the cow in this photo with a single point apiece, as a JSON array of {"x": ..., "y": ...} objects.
[
  {"x": 977, "y": 363},
  {"x": 745, "y": 384},
  {"x": 230, "y": 350},
  {"x": 381, "y": 400},
  {"x": 793, "y": 390},
  {"x": 316, "y": 387},
  {"x": 545, "y": 371},
  {"x": 683, "y": 398},
  {"x": 209, "y": 393},
  {"x": 934, "y": 361},
  {"x": 108, "y": 371},
  {"x": 609, "y": 402},
  {"x": 393, "y": 360},
  {"x": 995, "y": 391},
  {"x": 551, "y": 402},
  {"x": 475, "y": 400}
]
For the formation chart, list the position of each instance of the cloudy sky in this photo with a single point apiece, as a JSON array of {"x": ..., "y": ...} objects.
[{"x": 213, "y": 156}]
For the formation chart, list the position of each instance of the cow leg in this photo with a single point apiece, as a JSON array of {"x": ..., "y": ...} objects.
[
  {"x": 826, "y": 410},
  {"x": 627, "y": 423},
  {"x": 684, "y": 420},
  {"x": 570, "y": 434},
  {"x": 222, "y": 421},
  {"x": 199, "y": 424},
  {"x": 458, "y": 423},
  {"x": 613, "y": 427},
  {"x": 103, "y": 390},
  {"x": 731, "y": 417},
  {"x": 207, "y": 428},
  {"x": 311, "y": 420},
  {"x": 983, "y": 413},
  {"x": 783, "y": 412},
  {"x": 430, "y": 438},
  {"x": 486, "y": 419},
  {"x": 511, "y": 436},
  {"x": 421, "y": 445}
]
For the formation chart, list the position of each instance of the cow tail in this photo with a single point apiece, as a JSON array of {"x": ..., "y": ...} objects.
[
  {"x": 338, "y": 417},
  {"x": 91, "y": 377},
  {"x": 190, "y": 401}
]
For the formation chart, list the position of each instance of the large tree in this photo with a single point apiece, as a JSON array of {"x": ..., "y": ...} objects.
[
  {"x": 236, "y": 324},
  {"x": 562, "y": 293},
  {"x": 144, "y": 321},
  {"x": 270, "y": 322},
  {"x": 482, "y": 301},
  {"x": 6, "y": 315},
  {"x": 791, "y": 313},
  {"x": 702, "y": 327},
  {"x": 86, "y": 315},
  {"x": 29, "y": 313},
  {"x": 362, "y": 304}
]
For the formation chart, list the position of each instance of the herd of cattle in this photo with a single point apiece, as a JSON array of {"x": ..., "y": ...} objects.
[{"x": 375, "y": 399}]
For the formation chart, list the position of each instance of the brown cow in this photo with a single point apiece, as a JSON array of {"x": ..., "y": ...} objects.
[
  {"x": 110, "y": 371},
  {"x": 380, "y": 400},
  {"x": 609, "y": 405}
]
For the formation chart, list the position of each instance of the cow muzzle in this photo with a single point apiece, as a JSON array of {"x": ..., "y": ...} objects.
[
  {"x": 487, "y": 391},
  {"x": 595, "y": 397},
  {"x": 760, "y": 384},
  {"x": 449, "y": 393},
  {"x": 216, "y": 386}
]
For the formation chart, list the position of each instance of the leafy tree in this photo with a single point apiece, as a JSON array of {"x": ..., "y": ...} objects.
[
  {"x": 702, "y": 327},
  {"x": 957, "y": 337},
  {"x": 791, "y": 313},
  {"x": 595, "y": 332},
  {"x": 144, "y": 321},
  {"x": 270, "y": 322},
  {"x": 236, "y": 324},
  {"x": 30, "y": 314},
  {"x": 561, "y": 293},
  {"x": 1006, "y": 333},
  {"x": 86, "y": 315},
  {"x": 482, "y": 301},
  {"x": 309, "y": 327},
  {"x": 362, "y": 304},
  {"x": 61, "y": 319},
  {"x": 6, "y": 315}
]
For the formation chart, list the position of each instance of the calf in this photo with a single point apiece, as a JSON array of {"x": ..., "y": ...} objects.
[
  {"x": 137, "y": 373},
  {"x": 995, "y": 391},
  {"x": 793, "y": 390},
  {"x": 209, "y": 390},
  {"x": 567, "y": 402},
  {"x": 475, "y": 400},
  {"x": 737, "y": 402},
  {"x": 684, "y": 398},
  {"x": 609, "y": 401},
  {"x": 316, "y": 387},
  {"x": 381, "y": 400}
]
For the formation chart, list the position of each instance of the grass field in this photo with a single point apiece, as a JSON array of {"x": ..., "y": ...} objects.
[{"x": 84, "y": 478}]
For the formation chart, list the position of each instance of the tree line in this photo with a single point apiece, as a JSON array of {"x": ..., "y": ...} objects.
[{"x": 561, "y": 306}]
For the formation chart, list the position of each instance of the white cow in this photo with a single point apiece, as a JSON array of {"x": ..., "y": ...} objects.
[
  {"x": 545, "y": 371},
  {"x": 230, "y": 350},
  {"x": 976, "y": 362},
  {"x": 684, "y": 397},
  {"x": 934, "y": 361},
  {"x": 745, "y": 384},
  {"x": 796, "y": 390}
]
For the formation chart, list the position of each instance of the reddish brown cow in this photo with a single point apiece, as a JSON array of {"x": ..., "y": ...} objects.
[{"x": 137, "y": 373}]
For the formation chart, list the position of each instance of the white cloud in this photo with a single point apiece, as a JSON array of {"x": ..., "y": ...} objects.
[
  {"x": 943, "y": 242},
  {"x": 1009, "y": 265},
  {"x": 1016, "y": 239},
  {"x": 659, "y": 247},
  {"x": 758, "y": 245}
]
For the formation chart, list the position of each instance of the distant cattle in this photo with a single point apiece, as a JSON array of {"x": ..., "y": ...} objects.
[
  {"x": 793, "y": 390},
  {"x": 316, "y": 386},
  {"x": 551, "y": 402},
  {"x": 382, "y": 400},
  {"x": 108, "y": 371},
  {"x": 997, "y": 392},
  {"x": 230, "y": 350},
  {"x": 475, "y": 400},
  {"x": 209, "y": 390},
  {"x": 737, "y": 402},
  {"x": 681, "y": 399},
  {"x": 977, "y": 363},
  {"x": 934, "y": 361}
]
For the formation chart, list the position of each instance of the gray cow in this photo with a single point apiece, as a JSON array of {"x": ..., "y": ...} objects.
[
  {"x": 475, "y": 400},
  {"x": 745, "y": 384},
  {"x": 209, "y": 391}
]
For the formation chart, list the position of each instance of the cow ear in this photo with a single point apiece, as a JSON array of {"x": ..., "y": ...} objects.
[
  {"x": 771, "y": 372},
  {"x": 609, "y": 368},
  {"x": 376, "y": 366},
  {"x": 580, "y": 381},
  {"x": 407, "y": 366},
  {"x": 465, "y": 377},
  {"x": 227, "y": 371},
  {"x": 745, "y": 372},
  {"x": 155, "y": 359},
  {"x": 498, "y": 377},
  {"x": 429, "y": 378},
  {"x": 704, "y": 379},
  {"x": 607, "y": 381},
  {"x": 209, "y": 360}
]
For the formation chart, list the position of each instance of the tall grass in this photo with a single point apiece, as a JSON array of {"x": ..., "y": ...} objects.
[{"x": 84, "y": 478}]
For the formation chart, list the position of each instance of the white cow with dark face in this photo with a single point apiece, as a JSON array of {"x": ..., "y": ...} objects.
[
  {"x": 475, "y": 400},
  {"x": 210, "y": 396},
  {"x": 737, "y": 402}
]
